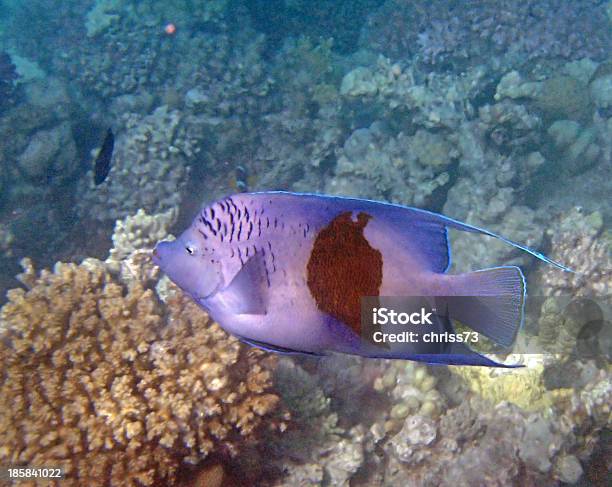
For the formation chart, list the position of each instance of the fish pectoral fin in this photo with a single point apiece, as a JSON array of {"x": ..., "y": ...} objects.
[
  {"x": 274, "y": 348},
  {"x": 248, "y": 291}
]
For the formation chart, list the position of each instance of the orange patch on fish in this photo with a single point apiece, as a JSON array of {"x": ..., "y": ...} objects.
[{"x": 343, "y": 267}]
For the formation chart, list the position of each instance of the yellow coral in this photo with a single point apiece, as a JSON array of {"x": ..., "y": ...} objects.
[
  {"x": 523, "y": 387},
  {"x": 116, "y": 389}
]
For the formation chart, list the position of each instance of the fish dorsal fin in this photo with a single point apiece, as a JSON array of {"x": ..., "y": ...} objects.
[
  {"x": 248, "y": 291},
  {"x": 426, "y": 219},
  {"x": 422, "y": 237},
  {"x": 430, "y": 240}
]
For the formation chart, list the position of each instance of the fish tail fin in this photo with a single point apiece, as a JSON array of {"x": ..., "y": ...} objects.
[{"x": 490, "y": 301}]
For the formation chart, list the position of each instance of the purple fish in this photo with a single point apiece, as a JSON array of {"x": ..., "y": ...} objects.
[{"x": 287, "y": 272}]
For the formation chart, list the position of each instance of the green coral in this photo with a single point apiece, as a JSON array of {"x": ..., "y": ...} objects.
[{"x": 564, "y": 97}]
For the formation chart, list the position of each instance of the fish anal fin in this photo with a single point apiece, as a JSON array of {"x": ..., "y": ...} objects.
[{"x": 275, "y": 348}]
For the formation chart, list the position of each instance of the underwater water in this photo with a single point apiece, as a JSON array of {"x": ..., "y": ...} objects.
[{"x": 125, "y": 365}]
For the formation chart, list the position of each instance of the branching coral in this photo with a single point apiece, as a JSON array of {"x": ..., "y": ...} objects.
[
  {"x": 101, "y": 381},
  {"x": 154, "y": 153},
  {"x": 133, "y": 239}
]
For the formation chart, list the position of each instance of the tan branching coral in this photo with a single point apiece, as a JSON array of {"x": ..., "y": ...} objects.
[
  {"x": 117, "y": 389},
  {"x": 133, "y": 239}
]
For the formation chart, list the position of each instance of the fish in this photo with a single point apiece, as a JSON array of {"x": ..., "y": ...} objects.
[
  {"x": 102, "y": 164},
  {"x": 288, "y": 272}
]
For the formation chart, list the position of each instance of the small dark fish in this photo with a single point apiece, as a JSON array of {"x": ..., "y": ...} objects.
[{"x": 102, "y": 165}]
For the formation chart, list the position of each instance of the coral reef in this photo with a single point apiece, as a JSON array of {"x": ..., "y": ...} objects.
[
  {"x": 566, "y": 104},
  {"x": 8, "y": 75},
  {"x": 412, "y": 390},
  {"x": 524, "y": 387},
  {"x": 515, "y": 31},
  {"x": 492, "y": 112},
  {"x": 432, "y": 100},
  {"x": 433, "y": 422},
  {"x": 305, "y": 399},
  {"x": 49, "y": 153},
  {"x": 316, "y": 446},
  {"x": 579, "y": 146},
  {"x": 583, "y": 244},
  {"x": 101, "y": 16},
  {"x": 564, "y": 97},
  {"x": 302, "y": 127},
  {"x": 572, "y": 319},
  {"x": 475, "y": 443},
  {"x": 494, "y": 159},
  {"x": 488, "y": 199},
  {"x": 154, "y": 151},
  {"x": 342, "y": 414},
  {"x": 133, "y": 239},
  {"x": 335, "y": 19},
  {"x": 326, "y": 440},
  {"x": 38, "y": 138},
  {"x": 600, "y": 85},
  {"x": 558, "y": 97},
  {"x": 401, "y": 169},
  {"x": 40, "y": 163},
  {"x": 130, "y": 48},
  {"x": 105, "y": 383}
]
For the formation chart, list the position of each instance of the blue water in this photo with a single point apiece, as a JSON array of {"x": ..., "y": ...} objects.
[{"x": 496, "y": 113}]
